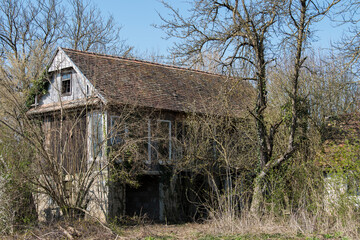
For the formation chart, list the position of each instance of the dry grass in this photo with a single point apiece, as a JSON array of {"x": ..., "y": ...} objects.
[
  {"x": 64, "y": 230},
  {"x": 213, "y": 230},
  {"x": 162, "y": 231},
  {"x": 246, "y": 228}
]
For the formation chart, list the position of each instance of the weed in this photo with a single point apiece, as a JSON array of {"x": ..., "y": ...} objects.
[{"x": 158, "y": 238}]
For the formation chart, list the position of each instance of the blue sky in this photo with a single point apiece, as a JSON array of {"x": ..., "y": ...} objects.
[{"x": 137, "y": 16}]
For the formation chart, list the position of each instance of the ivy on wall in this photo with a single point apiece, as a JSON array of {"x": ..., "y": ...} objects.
[{"x": 39, "y": 87}]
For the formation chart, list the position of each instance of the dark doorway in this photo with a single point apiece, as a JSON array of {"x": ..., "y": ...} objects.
[{"x": 144, "y": 200}]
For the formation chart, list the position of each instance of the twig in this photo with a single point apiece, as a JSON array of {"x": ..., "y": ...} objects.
[
  {"x": 68, "y": 235},
  {"x": 35, "y": 235}
]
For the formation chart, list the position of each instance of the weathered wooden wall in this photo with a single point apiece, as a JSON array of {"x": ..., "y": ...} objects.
[{"x": 66, "y": 139}]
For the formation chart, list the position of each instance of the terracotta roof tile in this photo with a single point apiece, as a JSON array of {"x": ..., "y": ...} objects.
[{"x": 121, "y": 80}]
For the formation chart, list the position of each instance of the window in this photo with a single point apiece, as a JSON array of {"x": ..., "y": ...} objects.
[
  {"x": 118, "y": 131},
  {"x": 97, "y": 134},
  {"x": 161, "y": 141},
  {"x": 178, "y": 140},
  {"x": 66, "y": 83},
  {"x": 127, "y": 139}
]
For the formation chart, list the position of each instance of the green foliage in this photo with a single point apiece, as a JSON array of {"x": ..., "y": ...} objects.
[
  {"x": 294, "y": 186},
  {"x": 342, "y": 157},
  {"x": 342, "y": 163},
  {"x": 17, "y": 207},
  {"x": 247, "y": 237},
  {"x": 38, "y": 88},
  {"x": 302, "y": 108},
  {"x": 337, "y": 235},
  {"x": 126, "y": 171},
  {"x": 158, "y": 238}
]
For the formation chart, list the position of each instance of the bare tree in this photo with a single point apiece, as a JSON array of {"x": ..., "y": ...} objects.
[
  {"x": 29, "y": 32},
  {"x": 24, "y": 23},
  {"x": 87, "y": 30},
  {"x": 244, "y": 33},
  {"x": 349, "y": 44},
  {"x": 73, "y": 173},
  {"x": 303, "y": 14},
  {"x": 28, "y": 29},
  {"x": 219, "y": 155}
]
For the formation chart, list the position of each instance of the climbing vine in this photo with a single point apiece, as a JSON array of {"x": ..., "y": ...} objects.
[{"x": 39, "y": 87}]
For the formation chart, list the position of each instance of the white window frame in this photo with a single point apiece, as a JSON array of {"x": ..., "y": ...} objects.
[
  {"x": 66, "y": 79},
  {"x": 150, "y": 148},
  {"x": 169, "y": 139},
  {"x": 103, "y": 120}
]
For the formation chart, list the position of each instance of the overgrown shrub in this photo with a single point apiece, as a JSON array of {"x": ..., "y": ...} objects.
[{"x": 17, "y": 207}]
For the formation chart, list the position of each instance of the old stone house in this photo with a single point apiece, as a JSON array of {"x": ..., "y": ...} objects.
[{"x": 101, "y": 101}]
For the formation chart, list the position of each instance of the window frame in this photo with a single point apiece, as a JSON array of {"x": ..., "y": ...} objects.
[
  {"x": 97, "y": 135},
  {"x": 116, "y": 132},
  {"x": 62, "y": 80},
  {"x": 153, "y": 143},
  {"x": 169, "y": 158}
]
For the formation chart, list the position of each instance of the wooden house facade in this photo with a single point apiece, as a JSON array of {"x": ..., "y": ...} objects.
[{"x": 103, "y": 110}]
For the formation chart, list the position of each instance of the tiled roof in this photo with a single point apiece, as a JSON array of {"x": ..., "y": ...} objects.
[
  {"x": 66, "y": 105},
  {"x": 146, "y": 84},
  {"x": 341, "y": 140},
  {"x": 342, "y": 127}
]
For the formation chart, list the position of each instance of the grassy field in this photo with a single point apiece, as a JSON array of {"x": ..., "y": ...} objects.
[
  {"x": 203, "y": 231},
  {"x": 208, "y": 232}
]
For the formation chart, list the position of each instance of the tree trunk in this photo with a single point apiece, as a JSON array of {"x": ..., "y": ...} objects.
[{"x": 257, "y": 197}]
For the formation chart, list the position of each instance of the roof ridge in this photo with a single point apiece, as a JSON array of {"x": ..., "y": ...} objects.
[{"x": 143, "y": 61}]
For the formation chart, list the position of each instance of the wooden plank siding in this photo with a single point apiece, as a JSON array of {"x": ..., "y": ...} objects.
[{"x": 67, "y": 141}]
